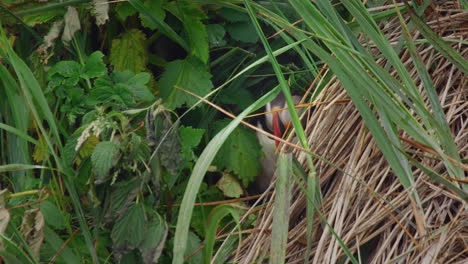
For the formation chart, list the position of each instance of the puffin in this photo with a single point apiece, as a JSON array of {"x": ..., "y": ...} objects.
[{"x": 275, "y": 122}]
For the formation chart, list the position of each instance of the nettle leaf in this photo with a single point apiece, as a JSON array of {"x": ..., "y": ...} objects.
[
  {"x": 190, "y": 74},
  {"x": 138, "y": 87},
  {"x": 240, "y": 153},
  {"x": 122, "y": 197},
  {"x": 129, "y": 231},
  {"x": 124, "y": 10},
  {"x": 154, "y": 241},
  {"x": 155, "y": 7},
  {"x": 103, "y": 158},
  {"x": 69, "y": 69},
  {"x": 191, "y": 16},
  {"x": 129, "y": 52},
  {"x": 87, "y": 148},
  {"x": 216, "y": 33},
  {"x": 243, "y": 31},
  {"x": 94, "y": 66},
  {"x": 190, "y": 138},
  {"x": 194, "y": 243}
]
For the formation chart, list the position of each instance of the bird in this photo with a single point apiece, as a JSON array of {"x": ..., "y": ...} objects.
[{"x": 275, "y": 122}]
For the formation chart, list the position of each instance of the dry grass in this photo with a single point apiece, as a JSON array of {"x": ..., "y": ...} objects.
[{"x": 370, "y": 209}]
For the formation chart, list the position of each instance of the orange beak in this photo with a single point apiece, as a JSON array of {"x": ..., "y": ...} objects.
[{"x": 276, "y": 128}]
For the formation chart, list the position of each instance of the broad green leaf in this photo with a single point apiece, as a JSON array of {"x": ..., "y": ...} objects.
[
  {"x": 52, "y": 240},
  {"x": 154, "y": 240},
  {"x": 94, "y": 66},
  {"x": 191, "y": 16},
  {"x": 194, "y": 243},
  {"x": 129, "y": 231},
  {"x": 138, "y": 87},
  {"x": 52, "y": 215},
  {"x": 190, "y": 138},
  {"x": 240, "y": 153},
  {"x": 69, "y": 69},
  {"x": 122, "y": 197},
  {"x": 124, "y": 10},
  {"x": 243, "y": 31},
  {"x": 190, "y": 74},
  {"x": 103, "y": 158},
  {"x": 129, "y": 52},
  {"x": 216, "y": 33},
  {"x": 233, "y": 15},
  {"x": 230, "y": 186},
  {"x": 155, "y": 7}
]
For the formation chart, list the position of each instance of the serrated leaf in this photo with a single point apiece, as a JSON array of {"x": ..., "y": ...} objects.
[
  {"x": 88, "y": 147},
  {"x": 40, "y": 150},
  {"x": 189, "y": 74},
  {"x": 129, "y": 52},
  {"x": 190, "y": 138},
  {"x": 194, "y": 243},
  {"x": 103, "y": 158},
  {"x": 243, "y": 31},
  {"x": 32, "y": 229},
  {"x": 129, "y": 231},
  {"x": 154, "y": 241},
  {"x": 69, "y": 69},
  {"x": 138, "y": 87},
  {"x": 155, "y": 7},
  {"x": 240, "y": 153},
  {"x": 230, "y": 186},
  {"x": 124, "y": 10},
  {"x": 94, "y": 66},
  {"x": 122, "y": 197}
]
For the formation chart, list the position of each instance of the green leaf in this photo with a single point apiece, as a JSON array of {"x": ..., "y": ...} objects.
[
  {"x": 191, "y": 16},
  {"x": 240, "y": 153},
  {"x": 243, "y": 31},
  {"x": 138, "y": 87},
  {"x": 52, "y": 215},
  {"x": 233, "y": 15},
  {"x": 129, "y": 231},
  {"x": 216, "y": 33},
  {"x": 189, "y": 74},
  {"x": 190, "y": 138},
  {"x": 103, "y": 158},
  {"x": 69, "y": 69},
  {"x": 230, "y": 186},
  {"x": 129, "y": 52},
  {"x": 124, "y": 10},
  {"x": 155, "y": 7},
  {"x": 194, "y": 243},
  {"x": 154, "y": 241},
  {"x": 94, "y": 66}
]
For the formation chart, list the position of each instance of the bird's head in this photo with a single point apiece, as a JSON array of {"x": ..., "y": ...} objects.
[{"x": 279, "y": 121}]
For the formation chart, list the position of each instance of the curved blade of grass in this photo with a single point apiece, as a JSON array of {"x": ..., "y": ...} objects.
[
  {"x": 204, "y": 161},
  {"x": 215, "y": 217},
  {"x": 279, "y": 233},
  {"x": 15, "y": 167},
  {"x": 313, "y": 186},
  {"x": 18, "y": 133},
  {"x": 13, "y": 252},
  {"x": 159, "y": 22}
]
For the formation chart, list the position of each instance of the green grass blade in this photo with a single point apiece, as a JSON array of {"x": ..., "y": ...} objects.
[
  {"x": 279, "y": 235},
  {"x": 204, "y": 161},
  {"x": 16, "y": 167},
  {"x": 215, "y": 217}
]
